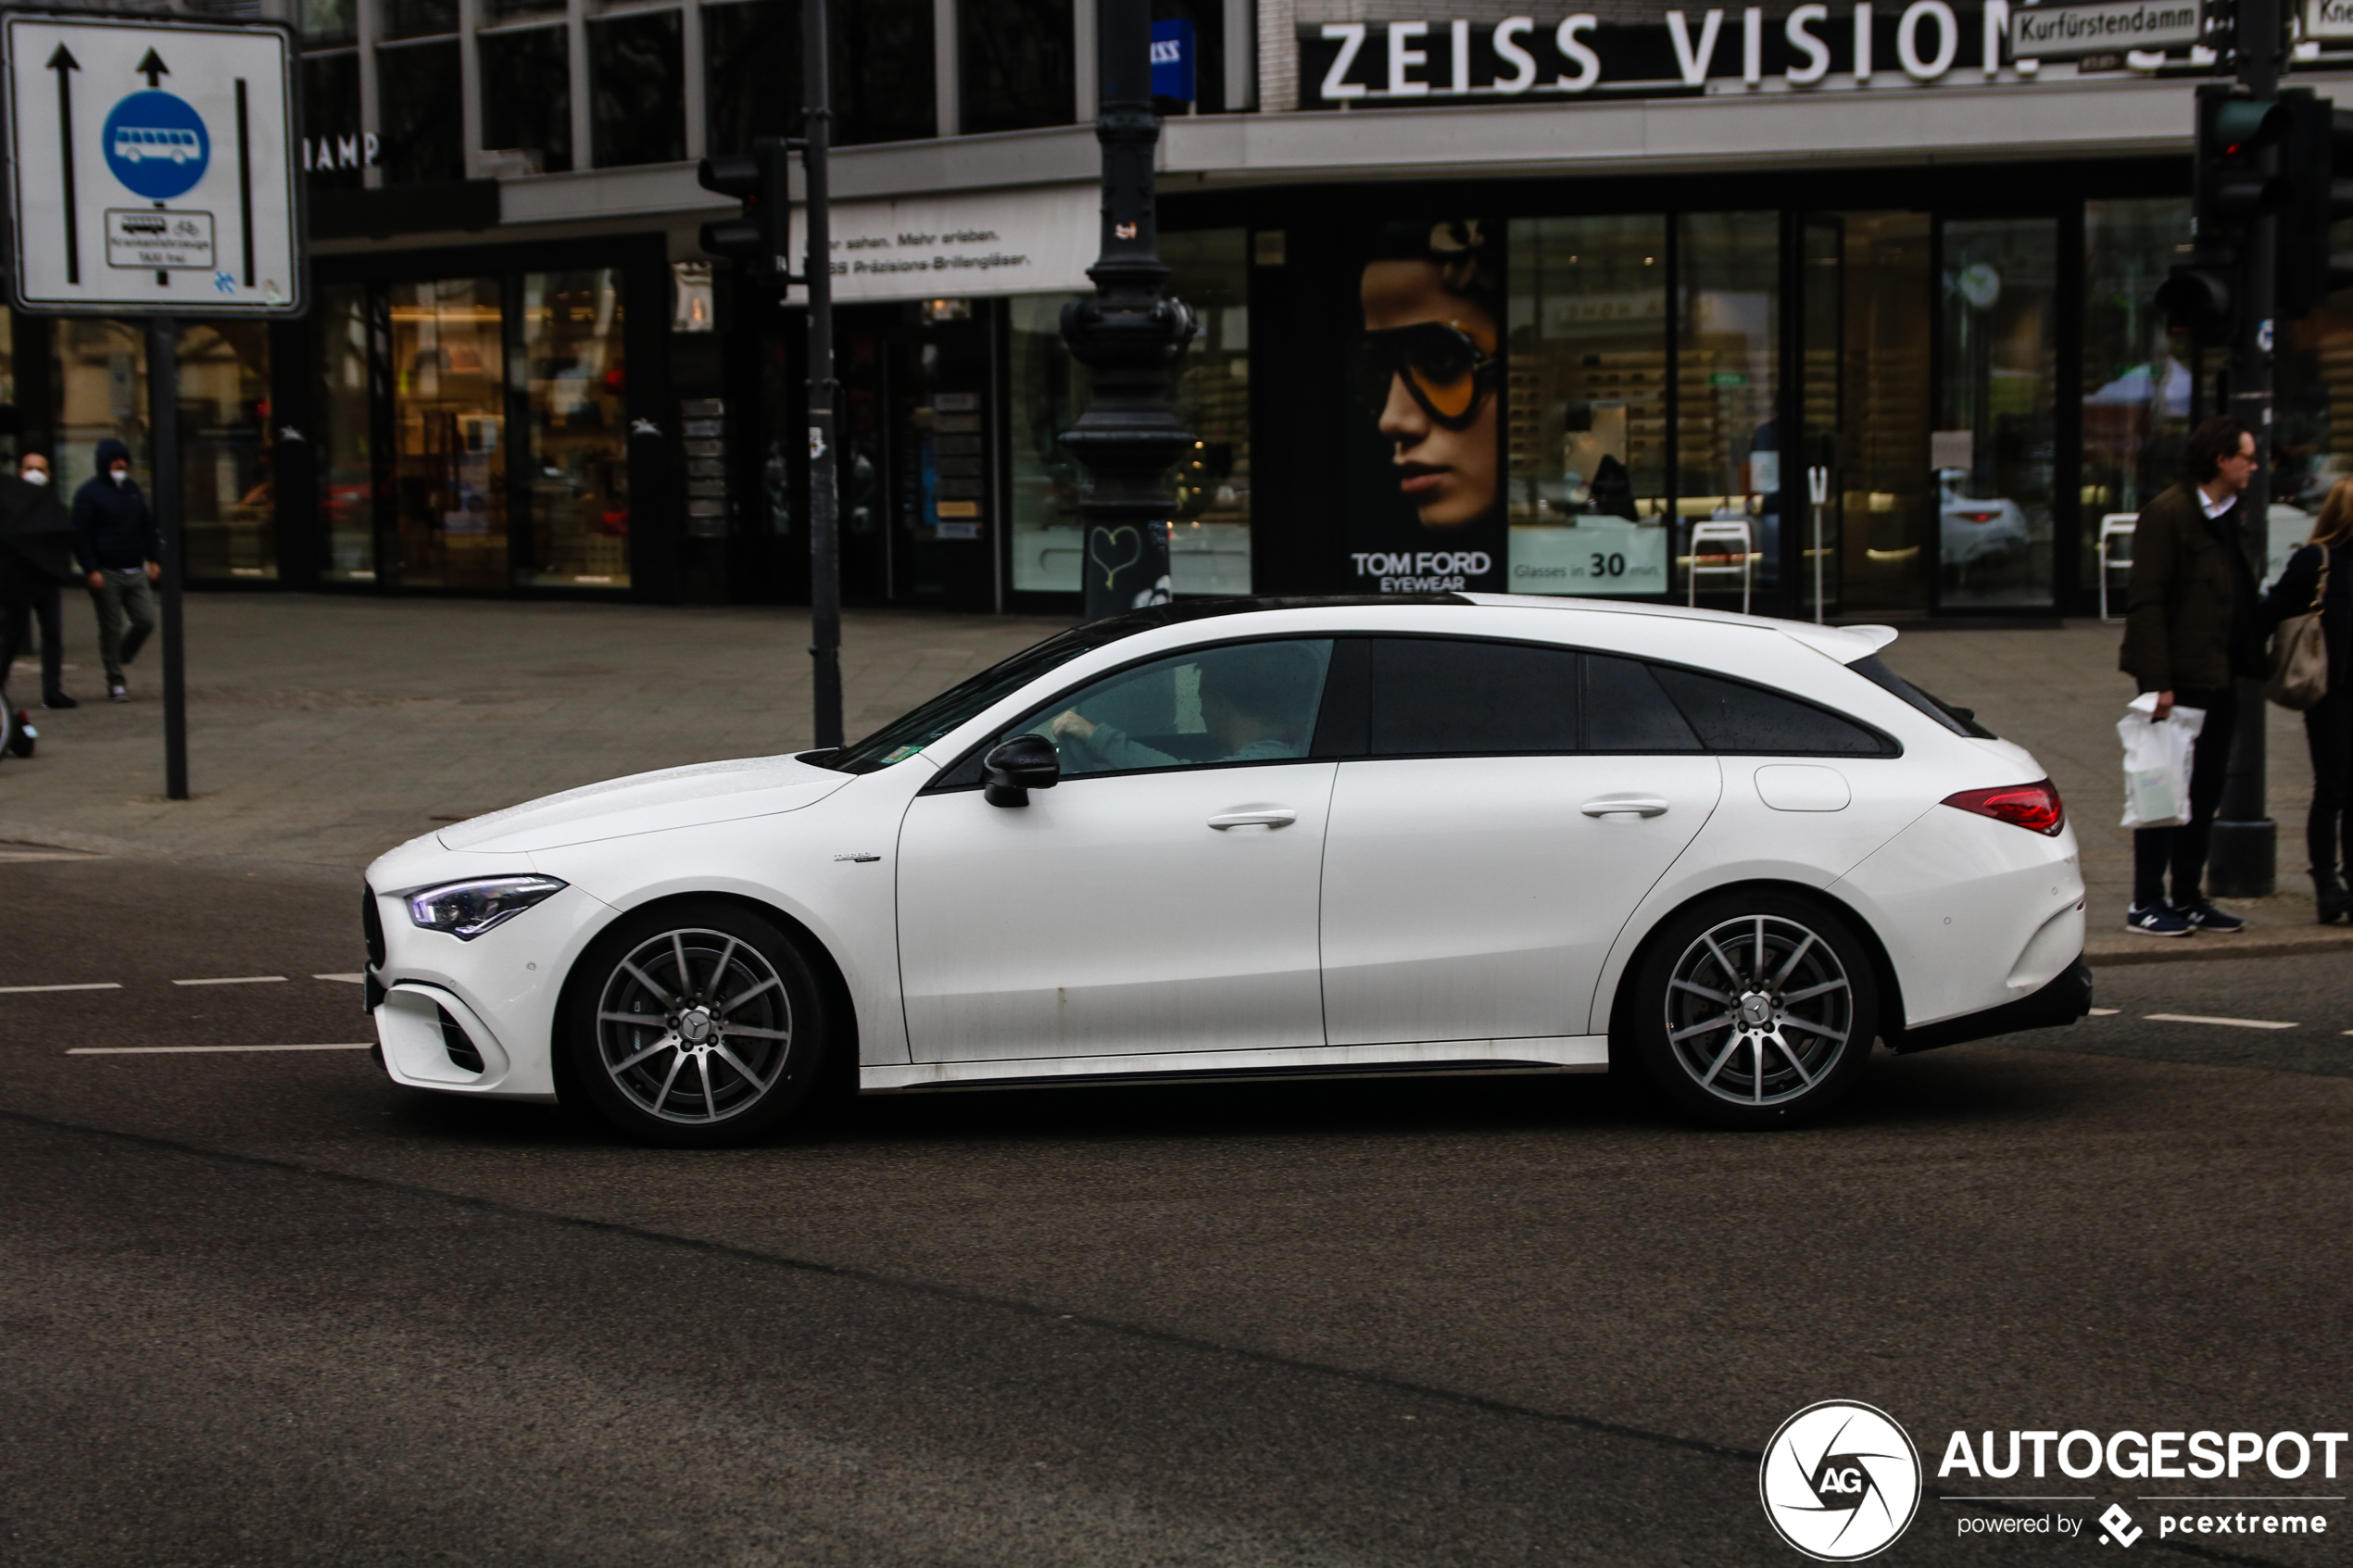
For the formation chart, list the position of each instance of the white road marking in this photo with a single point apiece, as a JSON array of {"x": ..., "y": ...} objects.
[
  {"x": 205, "y": 1051},
  {"x": 94, "y": 985},
  {"x": 21, "y": 857},
  {"x": 2104, "y": 1012},
  {"x": 347, "y": 979},
  {"x": 234, "y": 980},
  {"x": 2225, "y": 1022}
]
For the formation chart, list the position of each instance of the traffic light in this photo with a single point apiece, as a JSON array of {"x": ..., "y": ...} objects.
[
  {"x": 2319, "y": 143},
  {"x": 2229, "y": 188},
  {"x": 760, "y": 238}
]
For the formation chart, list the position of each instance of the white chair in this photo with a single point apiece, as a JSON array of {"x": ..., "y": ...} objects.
[
  {"x": 2115, "y": 526},
  {"x": 1734, "y": 533}
]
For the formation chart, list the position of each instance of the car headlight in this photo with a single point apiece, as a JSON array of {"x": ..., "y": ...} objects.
[{"x": 466, "y": 909}]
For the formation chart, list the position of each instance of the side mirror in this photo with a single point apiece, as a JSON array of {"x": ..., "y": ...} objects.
[{"x": 1015, "y": 767}]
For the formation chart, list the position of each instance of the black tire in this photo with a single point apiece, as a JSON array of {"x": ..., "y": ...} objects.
[
  {"x": 724, "y": 1057},
  {"x": 1790, "y": 1038}
]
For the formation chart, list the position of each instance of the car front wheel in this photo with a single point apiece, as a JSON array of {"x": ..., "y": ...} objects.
[
  {"x": 695, "y": 1025},
  {"x": 1754, "y": 1011}
]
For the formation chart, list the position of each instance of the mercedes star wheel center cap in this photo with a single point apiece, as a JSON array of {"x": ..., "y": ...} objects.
[{"x": 695, "y": 1028}]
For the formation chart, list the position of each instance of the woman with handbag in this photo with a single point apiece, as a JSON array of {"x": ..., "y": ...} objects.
[{"x": 2314, "y": 595}]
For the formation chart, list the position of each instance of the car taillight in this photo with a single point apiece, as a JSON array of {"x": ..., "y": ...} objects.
[
  {"x": 1977, "y": 517},
  {"x": 2035, "y": 807}
]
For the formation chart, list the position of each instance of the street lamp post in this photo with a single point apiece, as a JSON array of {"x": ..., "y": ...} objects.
[{"x": 1128, "y": 335}]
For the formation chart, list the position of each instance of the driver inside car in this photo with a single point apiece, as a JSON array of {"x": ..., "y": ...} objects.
[{"x": 1257, "y": 703}]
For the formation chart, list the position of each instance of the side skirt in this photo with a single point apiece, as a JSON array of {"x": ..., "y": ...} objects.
[{"x": 1558, "y": 1053}]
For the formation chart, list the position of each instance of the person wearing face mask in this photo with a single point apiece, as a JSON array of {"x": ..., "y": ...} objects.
[
  {"x": 36, "y": 555},
  {"x": 115, "y": 542}
]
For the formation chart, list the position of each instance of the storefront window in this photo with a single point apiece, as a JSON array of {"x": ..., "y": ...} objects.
[
  {"x": 2312, "y": 441},
  {"x": 579, "y": 433},
  {"x": 1587, "y": 418},
  {"x": 1049, "y": 392},
  {"x": 883, "y": 87},
  {"x": 637, "y": 75},
  {"x": 1209, "y": 533},
  {"x": 341, "y": 446},
  {"x": 2136, "y": 375},
  {"x": 419, "y": 87},
  {"x": 101, "y": 384},
  {"x": 229, "y": 506},
  {"x": 1016, "y": 57},
  {"x": 1728, "y": 447},
  {"x": 450, "y": 472},
  {"x": 526, "y": 96},
  {"x": 1994, "y": 450}
]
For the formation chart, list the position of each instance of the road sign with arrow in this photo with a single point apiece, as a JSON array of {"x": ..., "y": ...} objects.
[{"x": 151, "y": 165}]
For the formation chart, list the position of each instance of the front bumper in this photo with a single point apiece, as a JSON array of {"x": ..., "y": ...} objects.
[{"x": 2060, "y": 1002}]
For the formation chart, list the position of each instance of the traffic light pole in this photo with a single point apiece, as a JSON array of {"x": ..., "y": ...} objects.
[
  {"x": 824, "y": 532},
  {"x": 2243, "y": 861}
]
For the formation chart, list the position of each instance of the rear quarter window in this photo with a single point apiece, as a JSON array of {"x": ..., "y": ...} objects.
[{"x": 1735, "y": 717}]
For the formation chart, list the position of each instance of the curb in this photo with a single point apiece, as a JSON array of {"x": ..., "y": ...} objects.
[{"x": 2251, "y": 944}]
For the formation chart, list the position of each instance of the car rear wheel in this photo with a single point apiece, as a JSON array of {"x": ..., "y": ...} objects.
[
  {"x": 1754, "y": 1011},
  {"x": 695, "y": 1025}
]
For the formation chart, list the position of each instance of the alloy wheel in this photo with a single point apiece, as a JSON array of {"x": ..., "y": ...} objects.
[
  {"x": 694, "y": 1026},
  {"x": 1760, "y": 1010}
]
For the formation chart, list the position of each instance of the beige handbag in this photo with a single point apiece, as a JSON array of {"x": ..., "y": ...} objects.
[{"x": 2300, "y": 653}]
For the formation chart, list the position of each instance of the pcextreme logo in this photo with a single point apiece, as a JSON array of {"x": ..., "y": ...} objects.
[{"x": 1840, "y": 1481}]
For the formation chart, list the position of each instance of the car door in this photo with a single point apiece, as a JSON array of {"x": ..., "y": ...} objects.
[
  {"x": 1512, "y": 805},
  {"x": 1161, "y": 897}
]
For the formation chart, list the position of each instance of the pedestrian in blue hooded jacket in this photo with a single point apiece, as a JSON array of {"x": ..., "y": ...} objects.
[{"x": 119, "y": 549}]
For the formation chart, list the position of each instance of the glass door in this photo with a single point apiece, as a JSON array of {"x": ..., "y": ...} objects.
[
  {"x": 577, "y": 488},
  {"x": 1997, "y": 441},
  {"x": 449, "y": 490},
  {"x": 1864, "y": 337},
  {"x": 1819, "y": 484}
]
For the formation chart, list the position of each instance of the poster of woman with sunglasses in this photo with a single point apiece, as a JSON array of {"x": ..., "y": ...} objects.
[{"x": 1426, "y": 454}]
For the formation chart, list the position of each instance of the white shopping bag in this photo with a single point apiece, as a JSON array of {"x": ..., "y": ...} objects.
[{"x": 2156, "y": 762}]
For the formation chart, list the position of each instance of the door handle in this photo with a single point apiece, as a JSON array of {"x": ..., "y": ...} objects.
[
  {"x": 1265, "y": 817},
  {"x": 1626, "y": 805}
]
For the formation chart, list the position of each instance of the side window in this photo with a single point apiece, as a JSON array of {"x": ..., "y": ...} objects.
[
  {"x": 1435, "y": 696},
  {"x": 1732, "y": 717},
  {"x": 1242, "y": 702},
  {"x": 1626, "y": 709}
]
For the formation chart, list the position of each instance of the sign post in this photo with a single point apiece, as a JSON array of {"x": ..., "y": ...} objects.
[{"x": 152, "y": 174}]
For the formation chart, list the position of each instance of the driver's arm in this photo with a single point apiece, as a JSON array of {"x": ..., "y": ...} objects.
[{"x": 1109, "y": 747}]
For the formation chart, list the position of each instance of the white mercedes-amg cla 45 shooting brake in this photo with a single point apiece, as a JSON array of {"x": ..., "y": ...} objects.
[{"x": 1259, "y": 837}]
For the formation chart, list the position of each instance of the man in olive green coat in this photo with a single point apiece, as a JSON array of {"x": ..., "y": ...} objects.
[{"x": 2193, "y": 627}]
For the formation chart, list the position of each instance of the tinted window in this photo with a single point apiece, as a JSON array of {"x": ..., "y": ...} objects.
[
  {"x": 420, "y": 113},
  {"x": 526, "y": 95},
  {"x": 1624, "y": 709},
  {"x": 1241, "y": 702},
  {"x": 637, "y": 86},
  {"x": 1438, "y": 698},
  {"x": 1960, "y": 720},
  {"x": 1733, "y": 717}
]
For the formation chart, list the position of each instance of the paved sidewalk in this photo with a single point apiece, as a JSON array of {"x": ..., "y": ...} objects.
[{"x": 325, "y": 730}]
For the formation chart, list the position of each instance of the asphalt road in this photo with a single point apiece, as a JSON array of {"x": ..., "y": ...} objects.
[{"x": 264, "y": 1309}]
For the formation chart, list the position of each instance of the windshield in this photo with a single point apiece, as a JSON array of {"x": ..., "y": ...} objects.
[
  {"x": 907, "y": 735},
  {"x": 1960, "y": 720}
]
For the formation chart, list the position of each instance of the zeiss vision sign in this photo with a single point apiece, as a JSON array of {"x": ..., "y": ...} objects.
[{"x": 1406, "y": 64}]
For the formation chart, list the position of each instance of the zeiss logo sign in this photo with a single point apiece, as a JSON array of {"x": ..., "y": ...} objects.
[{"x": 1172, "y": 60}]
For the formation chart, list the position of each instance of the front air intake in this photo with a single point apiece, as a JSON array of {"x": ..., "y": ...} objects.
[
  {"x": 462, "y": 1050},
  {"x": 372, "y": 927}
]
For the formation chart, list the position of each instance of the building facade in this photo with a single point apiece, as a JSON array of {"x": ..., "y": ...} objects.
[{"x": 1553, "y": 303}]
